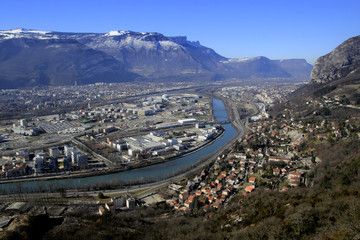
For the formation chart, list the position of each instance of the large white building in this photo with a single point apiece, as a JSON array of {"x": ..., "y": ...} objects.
[
  {"x": 187, "y": 120},
  {"x": 79, "y": 158},
  {"x": 130, "y": 203},
  {"x": 26, "y": 131},
  {"x": 67, "y": 150}
]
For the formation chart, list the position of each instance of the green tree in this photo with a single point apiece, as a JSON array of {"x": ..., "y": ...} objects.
[{"x": 101, "y": 195}]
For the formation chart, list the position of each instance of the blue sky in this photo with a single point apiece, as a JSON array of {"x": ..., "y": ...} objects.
[{"x": 277, "y": 29}]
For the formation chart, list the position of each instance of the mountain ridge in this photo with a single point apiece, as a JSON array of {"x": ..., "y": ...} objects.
[
  {"x": 131, "y": 55},
  {"x": 334, "y": 89}
]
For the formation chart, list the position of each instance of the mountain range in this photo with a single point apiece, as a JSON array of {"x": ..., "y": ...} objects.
[{"x": 32, "y": 58}]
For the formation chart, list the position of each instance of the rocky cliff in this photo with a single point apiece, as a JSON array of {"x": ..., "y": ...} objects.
[{"x": 339, "y": 63}]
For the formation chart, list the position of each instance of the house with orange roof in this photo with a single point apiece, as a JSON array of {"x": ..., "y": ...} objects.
[
  {"x": 171, "y": 202},
  {"x": 278, "y": 159},
  {"x": 191, "y": 198},
  {"x": 219, "y": 178},
  {"x": 218, "y": 201},
  {"x": 241, "y": 156},
  {"x": 183, "y": 196},
  {"x": 276, "y": 172},
  {"x": 187, "y": 203},
  {"x": 252, "y": 180},
  {"x": 294, "y": 174},
  {"x": 249, "y": 189}
]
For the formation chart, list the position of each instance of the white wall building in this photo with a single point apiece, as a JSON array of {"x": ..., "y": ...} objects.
[{"x": 187, "y": 120}]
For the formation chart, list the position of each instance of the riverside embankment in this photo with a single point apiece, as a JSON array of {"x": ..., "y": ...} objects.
[{"x": 153, "y": 173}]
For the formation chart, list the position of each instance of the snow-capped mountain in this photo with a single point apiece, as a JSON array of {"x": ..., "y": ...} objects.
[
  {"x": 153, "y": 54},
  {"x": 57, "y": 58}
]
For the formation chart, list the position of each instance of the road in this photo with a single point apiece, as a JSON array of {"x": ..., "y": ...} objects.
[
  {"x": 147, "y": 188},
  {"x": 84, "y": 147}
]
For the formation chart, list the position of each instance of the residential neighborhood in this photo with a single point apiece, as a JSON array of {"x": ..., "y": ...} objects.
[{"x": 271, "y": 156}]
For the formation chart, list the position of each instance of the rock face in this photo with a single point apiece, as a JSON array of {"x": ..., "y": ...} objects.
[
  {"x": 153, "y": 54},
  {"x": 298, "y": 68},
  {"x": 337, "y": 64},
  {"x": 32, "y": 58}
]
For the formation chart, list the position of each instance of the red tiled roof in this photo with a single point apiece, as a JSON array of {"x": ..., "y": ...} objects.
[
  {"x": 295, "y": 173},
  {"x": 295, "y": 179},
  {"x": 252, "y": 179},
  {"x": 249, "y": 189}
]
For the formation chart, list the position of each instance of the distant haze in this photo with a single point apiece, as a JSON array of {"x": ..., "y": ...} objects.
[{"x": 280, "y": 29}]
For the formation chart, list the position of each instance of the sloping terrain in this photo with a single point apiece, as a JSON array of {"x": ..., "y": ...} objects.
[
  {"x": 298, "y": 68},
  {"x": 31, "y": 58},
  {"x": 334, "y": 89},
  {"x": 33, "y": 62},
  {"x": 339, "y": 63}
]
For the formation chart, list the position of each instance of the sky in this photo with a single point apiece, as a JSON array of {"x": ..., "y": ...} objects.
[{"x": 277, "y": 29}]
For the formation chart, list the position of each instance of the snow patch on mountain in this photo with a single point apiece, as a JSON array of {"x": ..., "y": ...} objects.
[
  {"x": 25, "y": 31},
  {"x": 117, "y": 33},
  {"x": 235, "y": 60},
  {"x": 169, "y": 45}
]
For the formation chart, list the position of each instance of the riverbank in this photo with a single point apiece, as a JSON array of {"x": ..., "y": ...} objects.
[
  {"x": 91, "y": 173},
  {"x": 145, "y": 176}
]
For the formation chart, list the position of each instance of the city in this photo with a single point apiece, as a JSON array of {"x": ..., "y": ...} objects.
[
  {"x": 166, "y": 120},
  {"x": 128, "y": 132},
  {"x": 99, "y": 139}
]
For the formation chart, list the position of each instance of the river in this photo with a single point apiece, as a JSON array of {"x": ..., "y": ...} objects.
[{"x": 150, "y": 173}]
